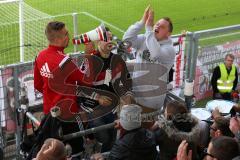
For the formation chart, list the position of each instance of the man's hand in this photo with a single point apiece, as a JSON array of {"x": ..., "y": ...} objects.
[
  {"x": 150, "y": 20},
  {"x": 234, "y": 125},
  {"x": 127, "y": 99},
  {"x": 216, "y": 113},
  {"x": 104, "y": 101},
  {"x": 117, "y": 124},
  {"x": 145, "y": 15},
  {"x": 182, "y": 152}
]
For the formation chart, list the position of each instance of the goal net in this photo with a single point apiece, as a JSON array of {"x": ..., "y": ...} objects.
[{"x": 12, "y": 42}]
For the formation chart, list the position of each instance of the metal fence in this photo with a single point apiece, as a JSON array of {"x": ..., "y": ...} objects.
[
  {"x": 15, "y": 80},
  {"x": 197, "y": 53},
  {"x": 17, "y": 76},
  {"x": 208, "y": 49}
]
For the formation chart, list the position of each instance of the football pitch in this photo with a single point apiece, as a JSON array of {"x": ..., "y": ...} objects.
[{"x": 190, "y": 15}]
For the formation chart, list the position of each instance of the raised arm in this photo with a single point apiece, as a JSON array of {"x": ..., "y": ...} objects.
[{"x": 132, "y": 32}]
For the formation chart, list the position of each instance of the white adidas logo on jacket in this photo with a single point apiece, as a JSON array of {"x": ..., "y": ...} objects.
[{"x": 45, "y": 72}]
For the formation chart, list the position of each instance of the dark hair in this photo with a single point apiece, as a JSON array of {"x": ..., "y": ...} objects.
[
  {"x": 223, "y": 125},
  {"x": 52, "y": 29},
  {"x": 224, "y": 148},
  {"x": 178, "y": 113},
  {"x": 175, "y": 107},
  {"x": 170, "y": 26}
]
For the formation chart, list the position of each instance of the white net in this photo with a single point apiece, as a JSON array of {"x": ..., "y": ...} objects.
[
  {"x": 9, "y": 32},
  {"x": 34, "y": 26},
  {"x": 33, "y": 32}
]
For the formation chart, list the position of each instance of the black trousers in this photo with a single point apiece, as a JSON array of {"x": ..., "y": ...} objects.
[
  {"x": 75, "y": 143},
  {"x": 225, "y": 96}
]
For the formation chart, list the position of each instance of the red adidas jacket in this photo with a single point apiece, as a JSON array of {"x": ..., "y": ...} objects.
[{"x": 46, "y": 61}]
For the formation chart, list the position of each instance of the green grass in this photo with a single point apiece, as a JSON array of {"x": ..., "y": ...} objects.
[
  {"x": 186, "y": 14},
  {"x": 191, "y": 15}
]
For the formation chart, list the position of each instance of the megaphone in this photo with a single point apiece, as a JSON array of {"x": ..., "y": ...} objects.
[{"x": 96, "y": 34}]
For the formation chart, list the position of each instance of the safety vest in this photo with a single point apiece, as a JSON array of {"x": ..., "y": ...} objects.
[{"x": 225, "y": 82}]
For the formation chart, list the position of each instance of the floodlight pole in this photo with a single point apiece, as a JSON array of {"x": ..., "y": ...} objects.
[{"x": 21, "y": 29}]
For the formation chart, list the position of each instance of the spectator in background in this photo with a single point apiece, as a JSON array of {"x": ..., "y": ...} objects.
[
  {"x": 179, "y": 125},
  {"x": 235, "y": 127},
  {"x": 224, "y": 79},
  {"x": 220, "y": 127},
  {"x": 220, "y": 148},
  {"x": 135, "y": 142}
]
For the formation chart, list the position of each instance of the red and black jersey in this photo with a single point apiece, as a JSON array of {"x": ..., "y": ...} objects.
[{"x": 113, "y": 70}]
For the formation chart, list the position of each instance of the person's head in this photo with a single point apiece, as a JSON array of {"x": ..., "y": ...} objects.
[
  {"x": 57, "y": 34},
  {"x": 222, "y": 148},
  {"x": 173, "y": 108},
  {"x": 220, "y": 127},
  {"x": 130, "y": 117},
  {"x": 104, "y": 47},
  {"x": 229, "y": 58},
  {"x": 163, "y": 28},
  {"x": 52, "y": 149},
  {"x": 178, "y": 114}
]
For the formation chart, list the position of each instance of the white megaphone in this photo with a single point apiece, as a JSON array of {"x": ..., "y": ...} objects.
[{"x": 97, "y": 34}]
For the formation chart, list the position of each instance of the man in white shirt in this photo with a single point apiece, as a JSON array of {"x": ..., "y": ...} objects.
[{"x": 155, "y": 53}]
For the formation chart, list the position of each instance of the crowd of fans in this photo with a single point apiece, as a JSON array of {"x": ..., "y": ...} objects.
[
  {"x": 177, "y": 135},
  {"x": 174, "y": 135}
]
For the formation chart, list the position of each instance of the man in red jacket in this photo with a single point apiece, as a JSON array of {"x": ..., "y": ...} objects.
[{"x": 47, "y": 61}]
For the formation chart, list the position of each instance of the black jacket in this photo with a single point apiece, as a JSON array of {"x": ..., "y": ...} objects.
[
  {"x": 53, "y": 128},
  {"x": 217, "y": 74},
  {"x": 48, "y": 129},
  {"x": 137, "y": 144}
]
